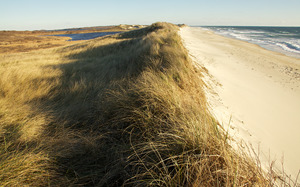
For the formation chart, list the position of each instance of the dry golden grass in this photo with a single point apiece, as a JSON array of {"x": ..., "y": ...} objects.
[
  {"x": 127, "y": 109},
  {"x": 25, "y": 41}
]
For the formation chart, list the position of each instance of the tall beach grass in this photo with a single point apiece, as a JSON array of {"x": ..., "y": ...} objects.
[{"x": 122, "y": 110}]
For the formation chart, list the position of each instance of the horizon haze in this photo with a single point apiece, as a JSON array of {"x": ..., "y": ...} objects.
[{"x": 49, "y": 15}]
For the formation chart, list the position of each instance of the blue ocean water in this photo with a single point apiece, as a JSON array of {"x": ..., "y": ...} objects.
[{"x": 285, "y": 40}]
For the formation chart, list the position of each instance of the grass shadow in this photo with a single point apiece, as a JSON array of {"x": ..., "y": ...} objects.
[{"x": 85, "y": 146}]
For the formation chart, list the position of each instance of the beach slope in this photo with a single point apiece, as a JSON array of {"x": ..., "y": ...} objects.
[{"x": 253, "y": 92}]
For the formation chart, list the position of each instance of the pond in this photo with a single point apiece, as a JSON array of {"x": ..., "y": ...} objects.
[{"x": 86, "y": 36}]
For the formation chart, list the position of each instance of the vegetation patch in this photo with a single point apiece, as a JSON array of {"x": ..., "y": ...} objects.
[{"x": 127, "y": 109}]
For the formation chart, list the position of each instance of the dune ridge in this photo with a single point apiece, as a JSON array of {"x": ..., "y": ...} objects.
[{"x": 122, "y": 110}]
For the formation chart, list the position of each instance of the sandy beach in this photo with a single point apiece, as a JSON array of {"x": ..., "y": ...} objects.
[{"x": 253, "y": 92}]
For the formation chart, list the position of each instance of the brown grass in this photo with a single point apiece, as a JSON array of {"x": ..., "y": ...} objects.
[
  {"x": 25, "y": 41},
  {"x": 127, "y": 109}
]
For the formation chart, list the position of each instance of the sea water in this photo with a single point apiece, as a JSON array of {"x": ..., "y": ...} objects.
[{"x": 285, "y": 40}]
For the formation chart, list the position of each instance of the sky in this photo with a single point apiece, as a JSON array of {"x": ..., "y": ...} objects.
[{"x": 59, "y": 14}]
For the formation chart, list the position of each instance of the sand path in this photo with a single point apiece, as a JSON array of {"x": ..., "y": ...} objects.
[{"x": 257, "y": 90}]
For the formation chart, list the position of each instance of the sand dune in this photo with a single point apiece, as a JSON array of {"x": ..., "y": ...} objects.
[{"x": 254, "y": 91}]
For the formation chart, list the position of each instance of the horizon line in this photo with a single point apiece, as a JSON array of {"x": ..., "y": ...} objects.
[
  {"x": 243, "y": 26},
  {"x": 191, "y": 25}
]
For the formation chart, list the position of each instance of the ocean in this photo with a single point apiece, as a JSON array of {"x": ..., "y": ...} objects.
[{"x": 285, "y": 40}]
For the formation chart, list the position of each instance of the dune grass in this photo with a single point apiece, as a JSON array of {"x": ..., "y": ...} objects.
[{"x": 127, "y": 109}]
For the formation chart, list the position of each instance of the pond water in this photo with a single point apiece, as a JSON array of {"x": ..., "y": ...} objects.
[{"x": 86, "y": 36}]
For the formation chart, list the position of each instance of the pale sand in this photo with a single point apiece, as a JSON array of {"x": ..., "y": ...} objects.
[{"x": 257, "y": 90}]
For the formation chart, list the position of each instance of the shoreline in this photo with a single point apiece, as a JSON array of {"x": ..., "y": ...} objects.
[
  {"x": 255, "y": 93},
  {"x": 276, "y": 47}
]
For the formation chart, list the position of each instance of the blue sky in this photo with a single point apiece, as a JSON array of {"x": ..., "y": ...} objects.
[{"x": 56, "y": 14}]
